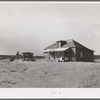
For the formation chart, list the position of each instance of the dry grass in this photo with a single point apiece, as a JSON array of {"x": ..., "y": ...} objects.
[{"x": 23, "y": 74}]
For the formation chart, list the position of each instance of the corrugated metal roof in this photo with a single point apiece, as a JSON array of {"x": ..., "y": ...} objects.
[
  {"x": 61, "y": 49},
  {"x": 57, "y": 49}
]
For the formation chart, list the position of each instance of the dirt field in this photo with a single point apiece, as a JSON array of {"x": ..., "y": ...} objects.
[{"x": 23, "y": 74}]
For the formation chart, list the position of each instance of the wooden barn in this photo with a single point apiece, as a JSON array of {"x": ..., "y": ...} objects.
[{"x": 68, "y": 50}]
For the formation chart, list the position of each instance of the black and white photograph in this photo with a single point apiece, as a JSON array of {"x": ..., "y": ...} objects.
[{"x": 49, "y": 45}]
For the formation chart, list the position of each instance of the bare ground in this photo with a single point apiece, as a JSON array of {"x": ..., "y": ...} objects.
[{"x": 23, "y": 74}]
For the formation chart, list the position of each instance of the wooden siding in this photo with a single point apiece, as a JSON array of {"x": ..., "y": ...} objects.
[
  {"x": 83, "y": 54},
  {"x": 76, "y": 51}
]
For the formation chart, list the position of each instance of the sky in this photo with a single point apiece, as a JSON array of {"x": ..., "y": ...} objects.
[{"x": 34, "y": 26}]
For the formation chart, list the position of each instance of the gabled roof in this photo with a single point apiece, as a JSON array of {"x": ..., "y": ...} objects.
[
  {"x": 53, "y": 46},
  {"x": 70, "y": 43},
  {"x": 80, "y": 45}
]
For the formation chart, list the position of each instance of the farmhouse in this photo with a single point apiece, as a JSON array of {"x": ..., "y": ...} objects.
[{"x": 68, "y": 50}]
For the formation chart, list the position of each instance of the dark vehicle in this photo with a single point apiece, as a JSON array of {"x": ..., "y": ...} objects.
[
  {"x": 28, "y": 56},
  {"x": 12, "y": 58}
]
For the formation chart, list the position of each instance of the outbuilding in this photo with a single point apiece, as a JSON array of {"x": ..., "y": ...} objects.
[{"x": 27, "y": 56}]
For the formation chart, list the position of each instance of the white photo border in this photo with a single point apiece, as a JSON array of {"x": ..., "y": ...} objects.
[{"x": 40, "y": 93}]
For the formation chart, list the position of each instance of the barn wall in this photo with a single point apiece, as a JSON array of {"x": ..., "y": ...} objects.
[
  {"x": 73, "y": 53},
  {"x": 83, "y": 54}
]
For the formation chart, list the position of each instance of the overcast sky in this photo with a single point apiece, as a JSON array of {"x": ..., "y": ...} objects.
[{"x": 34, "y": 26}]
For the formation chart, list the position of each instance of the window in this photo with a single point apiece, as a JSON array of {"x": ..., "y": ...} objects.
[{"x": 81, "y": 54}]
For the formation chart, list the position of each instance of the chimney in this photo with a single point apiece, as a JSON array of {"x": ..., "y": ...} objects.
[{"x": 59, "y": 44}]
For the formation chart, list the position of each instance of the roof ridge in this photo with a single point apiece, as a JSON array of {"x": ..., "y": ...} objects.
[{"x": 82, "y": 45}]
